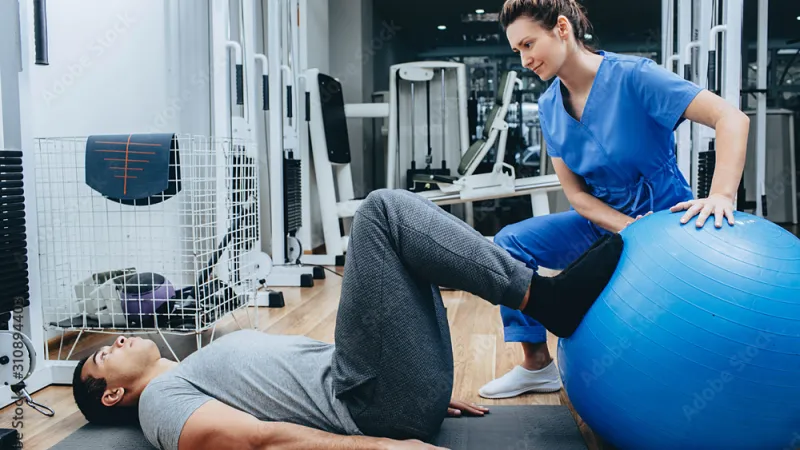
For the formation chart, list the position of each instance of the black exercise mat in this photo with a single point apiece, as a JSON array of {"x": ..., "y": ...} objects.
[
  {"x": 506, "y": 427},
  {"x": 526, "y": 427}
]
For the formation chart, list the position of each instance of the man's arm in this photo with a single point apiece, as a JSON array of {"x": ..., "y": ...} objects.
[{"x": 218, "y": 426}]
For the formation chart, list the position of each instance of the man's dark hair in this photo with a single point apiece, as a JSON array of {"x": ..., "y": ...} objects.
[{"x": 88, "y": 394}]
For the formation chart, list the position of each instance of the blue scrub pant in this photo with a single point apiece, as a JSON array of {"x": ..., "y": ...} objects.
[{"x": 552, "y": 241}]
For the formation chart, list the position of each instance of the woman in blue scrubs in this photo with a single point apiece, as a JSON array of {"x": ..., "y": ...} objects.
[{"x": 608, "y": 121}]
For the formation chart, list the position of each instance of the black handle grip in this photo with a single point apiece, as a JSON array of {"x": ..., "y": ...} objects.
[
  {"x": 764, "y": 205},
  {"x": 40, "y": 32},
  {"x": 289, "y": 101},
  {"x": 712, "y": 70},
  {"x": 308, "y": 107},
  {"x": 687, "y": 72},
  {"x": 265, "y": 81},
  {"x": 239, "y": 84}
]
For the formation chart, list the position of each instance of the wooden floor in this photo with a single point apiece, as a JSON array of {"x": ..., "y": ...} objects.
[{"x": 479, "y": 352}]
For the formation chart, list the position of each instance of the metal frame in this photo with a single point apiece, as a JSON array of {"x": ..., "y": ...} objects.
[
  {"x": 761, "y": 106},
  {"x": 394, "y": 160},
  {"x": 683, "y": 135},
  {"x": 706, "y": 38},
  {"x": 282, "y": 136},
  {"x": 695, "y": 19},
  {"x": 329, "y": 175},
  {"x": 667, "y": 32}
]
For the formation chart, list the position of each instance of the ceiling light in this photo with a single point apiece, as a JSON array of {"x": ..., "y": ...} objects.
[
  {"x": 481, "y": 11},
  {"x": 442, "y": 27}
]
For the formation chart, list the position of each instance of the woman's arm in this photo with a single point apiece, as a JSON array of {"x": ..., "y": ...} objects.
[
  {"x": 585, "y": 203},
  {"x": 732, "y": 128}
]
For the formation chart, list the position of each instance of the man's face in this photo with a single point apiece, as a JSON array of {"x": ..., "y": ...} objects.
[{"x": 122, "y": 365}]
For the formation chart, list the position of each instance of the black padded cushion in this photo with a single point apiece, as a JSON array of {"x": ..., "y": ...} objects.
[{"x": 470, "y": 156}]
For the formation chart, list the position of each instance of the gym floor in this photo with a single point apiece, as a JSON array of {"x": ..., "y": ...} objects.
[{"x": 479, "y": 352}]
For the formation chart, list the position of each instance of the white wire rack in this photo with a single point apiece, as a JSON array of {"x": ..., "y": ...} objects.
[{"x": 176, "y": 264}]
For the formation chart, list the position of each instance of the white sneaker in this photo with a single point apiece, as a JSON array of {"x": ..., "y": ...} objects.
[{"x": 521, "y": 380}]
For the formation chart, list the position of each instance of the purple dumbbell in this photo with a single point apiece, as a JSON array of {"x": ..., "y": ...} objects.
[{"x": 145, "y": 292}]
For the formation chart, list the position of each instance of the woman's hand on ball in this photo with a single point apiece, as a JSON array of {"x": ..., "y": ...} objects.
[
  {"x": 717, "y": 204},
  {"x": 634, "y": 220}
]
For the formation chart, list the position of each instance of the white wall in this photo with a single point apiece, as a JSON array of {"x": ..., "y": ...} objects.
[{"x": 109, "y": 69}]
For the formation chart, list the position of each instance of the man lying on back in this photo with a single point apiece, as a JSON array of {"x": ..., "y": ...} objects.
[{"x": 387, "y": 381}]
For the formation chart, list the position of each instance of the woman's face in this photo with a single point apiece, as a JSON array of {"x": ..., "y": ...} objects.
[{"x": 542, "y": 51}]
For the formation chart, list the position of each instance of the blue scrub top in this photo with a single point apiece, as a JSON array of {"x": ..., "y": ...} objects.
[{"x": 623, "y": 146}]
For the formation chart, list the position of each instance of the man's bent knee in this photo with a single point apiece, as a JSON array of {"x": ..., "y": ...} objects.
[
  {"x": 377, "y": 203},
  {"x": 381, "y": 198},
  {"x": 378, "y": 195}
]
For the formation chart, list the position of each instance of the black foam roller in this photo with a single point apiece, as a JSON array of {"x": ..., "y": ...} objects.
[{"x": 40, "y": 32}]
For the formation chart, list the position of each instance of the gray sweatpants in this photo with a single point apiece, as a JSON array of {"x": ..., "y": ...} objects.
[{"x": 393, "y": 363}]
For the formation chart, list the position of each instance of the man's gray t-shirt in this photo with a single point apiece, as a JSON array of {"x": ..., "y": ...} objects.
[{"x": 274, "y": 378}]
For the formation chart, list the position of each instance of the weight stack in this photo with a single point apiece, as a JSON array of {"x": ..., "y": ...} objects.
[
  {"x": 14, "y": 291},
  {"x": 292, "y": 196},
  {"x": 705, "y": 172}
]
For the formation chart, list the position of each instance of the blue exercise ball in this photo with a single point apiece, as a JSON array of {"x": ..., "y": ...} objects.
[{"x": 695, "y": 342}]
